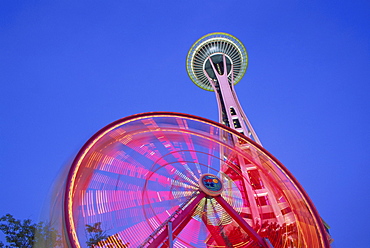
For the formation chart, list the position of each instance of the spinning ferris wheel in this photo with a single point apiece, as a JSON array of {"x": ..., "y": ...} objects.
[{"x": 175, "y": 180}]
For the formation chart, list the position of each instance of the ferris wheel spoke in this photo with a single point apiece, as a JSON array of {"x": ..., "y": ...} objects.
[
  {"x": 164, "y": 158},
  {"x": 132, "y": 170},
  {"x": 121, "y": 163},
  {"x": 97, "y": 202},
  {"x": 242, "y": 223},
  {"x": 188, "y": 210},
  {"x": 175, "y": 154},
  {"x": 153, "y": 197},
  {"x": 190, "y": 234},
  {"x": 135, "y": 227},
  {"x": 189, "y": 142},
  {"x": 168, "y": 166},
  {"x": 216, "y": 233},
  {"x": 180, "y": 147},
  {"x": 136, "y": 233},
  {"x": 103, "y": 180}
]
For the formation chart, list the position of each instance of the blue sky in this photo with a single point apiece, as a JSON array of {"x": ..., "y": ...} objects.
[{"x": 68, "y": 68}]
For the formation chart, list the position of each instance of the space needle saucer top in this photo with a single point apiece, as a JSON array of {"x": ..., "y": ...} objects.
[{"x": 213, "y": 46}]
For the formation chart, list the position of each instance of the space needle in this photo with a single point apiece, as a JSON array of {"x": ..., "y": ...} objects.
[{"x": 216, "y": 62}]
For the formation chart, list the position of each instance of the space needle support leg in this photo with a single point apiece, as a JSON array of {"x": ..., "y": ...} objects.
[
  {"x": 188, "y": 210},
  {"x": 242, "y": 223}
]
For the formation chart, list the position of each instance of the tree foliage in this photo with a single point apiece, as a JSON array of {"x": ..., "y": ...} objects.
[
  {"x": 96, "y": 238},
  {"x": 23, "y": 233},
  {"x": 95, "y": 234},
  {"x": 26, "y": 234}
]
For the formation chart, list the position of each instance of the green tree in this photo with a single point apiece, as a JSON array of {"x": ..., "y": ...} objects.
[
  {"x": 96, "y": 238},
  {"x": 95, "y": 234},
  {"x": 23, "y": 233}
]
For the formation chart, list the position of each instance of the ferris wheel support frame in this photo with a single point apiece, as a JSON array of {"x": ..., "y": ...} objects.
[
  {"x": 188, "y": 211},
  {"x": 263, "y": 242},
  {"x": 175, "y": 226}
]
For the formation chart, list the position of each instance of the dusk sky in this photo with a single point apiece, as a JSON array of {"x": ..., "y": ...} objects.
[{"x": 68, "y": 68}]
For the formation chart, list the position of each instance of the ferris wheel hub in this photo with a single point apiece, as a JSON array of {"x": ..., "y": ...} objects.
[{"x": 210, "y": 184}]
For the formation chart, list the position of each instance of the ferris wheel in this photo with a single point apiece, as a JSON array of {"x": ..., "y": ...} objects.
[
  {"x": 164, "y": 179},
  {"x": 157, "y": 180}
]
